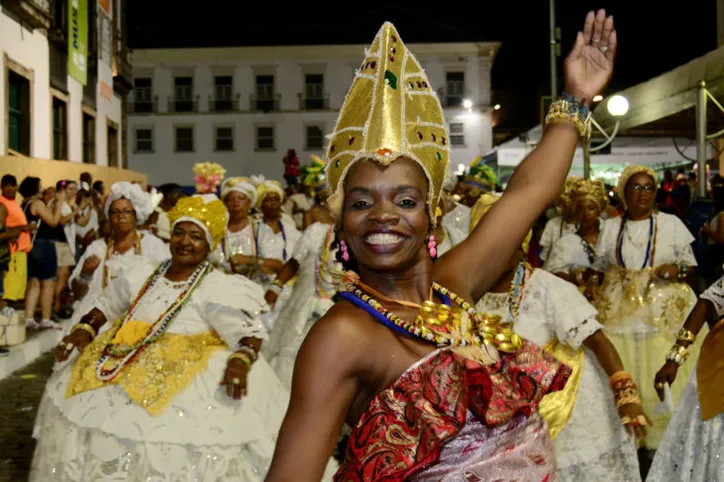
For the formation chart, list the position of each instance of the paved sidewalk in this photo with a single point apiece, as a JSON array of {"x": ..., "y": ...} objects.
[{"x": 19, "y": 398}]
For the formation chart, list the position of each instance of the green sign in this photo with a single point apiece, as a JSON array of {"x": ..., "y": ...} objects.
[{"x": 78, "y": 40}]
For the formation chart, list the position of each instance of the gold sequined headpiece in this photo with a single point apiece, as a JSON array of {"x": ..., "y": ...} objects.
[
  {"x": 565, "y": 200},
  {"x": 264, "y": 187},
  {"x": 206, "y": 211},
  {"x": 481, "y": 208},
  {"x": 627, "y": 174},
  {"x": 391, "y": 111},
  {"x": 594, "y": 190}
]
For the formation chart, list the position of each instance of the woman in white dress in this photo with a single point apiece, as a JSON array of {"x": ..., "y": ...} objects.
[
  {"x": 692, "y": 449},
  {"x": 573, "y": 256},
  {"x": 176, "y": 389},
  {"x": 647, "y": 258},
  {"x": 236, "y": 253},
  {"x": 559, "y": 226},
  {"x": 276, "y": 236},
  {"x": 589, "y": 430},
  {"x": 126, "y": 208}
]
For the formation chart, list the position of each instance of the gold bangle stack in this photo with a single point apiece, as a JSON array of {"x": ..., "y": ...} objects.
[
  {"x": 624, "y": 389},
  {"x": 685, "y": 336},
  {"x": 568, "y": 112},
  {"x": 85, "y": 327},
  {"x": 678, "y": 354},
  {"x": 241, "y": 355}
]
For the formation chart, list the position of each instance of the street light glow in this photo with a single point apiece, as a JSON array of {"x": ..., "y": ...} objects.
[
  {"x": 496, "y": 107},
  {"x": 597, "y": 98},
  {"x": 617, "y": 105},
  {"x": 467, "y": 103}
]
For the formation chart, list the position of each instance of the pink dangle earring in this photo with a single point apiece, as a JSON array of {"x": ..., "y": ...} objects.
[
  {"x": 432, "y": 246},
  {"x": 345, "y": 251}
]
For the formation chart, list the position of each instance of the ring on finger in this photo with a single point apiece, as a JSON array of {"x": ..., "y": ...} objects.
[
  {"x": 659, "y": 385},
  {"x": 603, "y": 48},
  {"x": 236, "y": 381},
  {"x": 69, "y": 346}
]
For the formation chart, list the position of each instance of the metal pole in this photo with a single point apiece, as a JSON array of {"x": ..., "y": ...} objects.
[
  {"x": 553, "y": 41},
  {"x": 701, "y": 137},
  {"x": 586, "y": 145}
]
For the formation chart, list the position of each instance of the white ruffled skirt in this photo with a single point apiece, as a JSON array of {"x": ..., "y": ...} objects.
[{"x": 203, "y": 436}]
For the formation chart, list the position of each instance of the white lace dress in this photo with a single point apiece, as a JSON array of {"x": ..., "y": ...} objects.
[
  {"x": 554, "y": 230},
  {"x": 458, "y": 220},
  {"x": 593, "y": 445},
  {"x": 568, "y": 255},
  {"x": 152, "y": 248},
  {"x": 641, "y": 313},
  {"x": 692, "y": 450},
  {"x": 309, "y": 300},
  {"x": 202, "y": 435}
]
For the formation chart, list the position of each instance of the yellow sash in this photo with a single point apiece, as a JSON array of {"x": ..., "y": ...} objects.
[
  {"x": 556, "y": 407},
  {"x": 710, "y": 373},
  {"x": 163, "y": 370}
]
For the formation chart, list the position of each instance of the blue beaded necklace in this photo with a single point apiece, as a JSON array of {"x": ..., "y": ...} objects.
[{"x": 650, "y": 245}]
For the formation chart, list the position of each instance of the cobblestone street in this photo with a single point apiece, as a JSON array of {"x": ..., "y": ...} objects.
[{"x": 19, "y": 398}]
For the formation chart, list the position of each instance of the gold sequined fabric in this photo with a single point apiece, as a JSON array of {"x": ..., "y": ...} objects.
[
  {"x": 629, "y": 294},
  {"x": 391, "y": 111},
  {"x": 556, "y": 407},
  {"x": 212, "y": 215},
  {"x": 157, "y": 375}
]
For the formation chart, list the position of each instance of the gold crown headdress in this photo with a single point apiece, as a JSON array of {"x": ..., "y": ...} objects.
[
  {"x": 482, "y": 207},
  {"x": 594, "y": 190},
  {"x": 630, "y": 172},
  {"x": 206, "y": 211},
  {"x": 391, "y": 111}
]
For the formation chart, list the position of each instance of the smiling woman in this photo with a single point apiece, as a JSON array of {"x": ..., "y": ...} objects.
[
  {"x": 404, "y": 358},
  {"x": 157, "y": 396}
]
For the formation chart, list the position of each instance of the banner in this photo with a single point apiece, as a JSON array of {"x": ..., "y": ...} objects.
[
  {"x": 78, "y": 40},
  {"x": 105, "y": 54}
]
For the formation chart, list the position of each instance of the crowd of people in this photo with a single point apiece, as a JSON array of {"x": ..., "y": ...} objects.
[{"x": 379, "y": 318}]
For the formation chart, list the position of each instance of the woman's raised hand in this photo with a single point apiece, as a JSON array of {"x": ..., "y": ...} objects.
[{"x": 589, "y": 65}]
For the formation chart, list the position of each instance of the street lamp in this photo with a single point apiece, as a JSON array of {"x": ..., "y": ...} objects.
[
  {"x": 496, "y": 107},
  {"x": 467, "y": 103},
  {"x": 617, "y": 106}
]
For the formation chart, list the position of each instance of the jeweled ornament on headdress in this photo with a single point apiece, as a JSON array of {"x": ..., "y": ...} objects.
[
  {"x": 391, "y": 111},
  {"x": 208, "y": 177}
]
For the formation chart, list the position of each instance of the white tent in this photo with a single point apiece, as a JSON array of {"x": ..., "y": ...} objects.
[{"x": 623, "y": 150}]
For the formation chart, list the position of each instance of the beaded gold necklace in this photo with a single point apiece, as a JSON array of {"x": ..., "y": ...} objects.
[{"x": 442, "y": 324}]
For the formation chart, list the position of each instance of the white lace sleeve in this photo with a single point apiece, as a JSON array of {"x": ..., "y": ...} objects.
[
  {"x": 117, "y": 297},
  {"x": 233, "y": 306},
  {"x": 682, "y": 240},
  {"x": 566, "y": 255},
  {"x": 548, "y": 236},
  {"x": 96, "y": 248},
  {"x": 568, "y": 311},
  {"x": 310, "y": 241},
  {"x": 715, "y": 294}
]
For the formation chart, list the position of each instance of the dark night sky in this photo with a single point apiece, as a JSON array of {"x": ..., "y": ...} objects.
[{"x": 652, "y": 38}]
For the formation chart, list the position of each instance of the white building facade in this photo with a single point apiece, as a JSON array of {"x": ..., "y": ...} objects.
[
  {"x": 244, "y": 107},
  {"x": 47, "y": 113}
]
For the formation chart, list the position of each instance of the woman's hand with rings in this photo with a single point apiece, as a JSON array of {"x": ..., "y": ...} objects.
[
  {"x": 79, "y": 339},
  {"x": 666, "y": 375},
  {"x": 667, "y": 271},
  {"x": 634, "y": 419},
  {"x": 235, "y": 378}
]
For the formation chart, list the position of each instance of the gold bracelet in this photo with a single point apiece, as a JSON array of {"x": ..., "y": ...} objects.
[
  {"x": 243, "y": 356},
  {"x": 85, "y": 327},
  {"x": 565, "y": 111},
  {"x": 686, "y": 336}
]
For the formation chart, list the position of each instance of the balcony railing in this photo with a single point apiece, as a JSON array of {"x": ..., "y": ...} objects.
[
  {"x": 264, "y": 104},
  {"x": 183, "y": 104},
  {"x": 122, "y": 68},
  {"x": 313, "y": 103},
  {"x": 136, "y": 106},
  {"x": 225, "y": 103},
  {"x": 35, "y": 13},
  {"x": 452, "y": 99}
]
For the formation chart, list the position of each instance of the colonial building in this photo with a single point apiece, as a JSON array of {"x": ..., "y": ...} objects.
[
  {"x": 244, "y": 107},
  {"x": 66, "y": 74}
]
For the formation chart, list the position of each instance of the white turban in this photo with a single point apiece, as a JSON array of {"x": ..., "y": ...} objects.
[
  {"x": 240, "y": 184},
  {"x": 135, "y": 194}
]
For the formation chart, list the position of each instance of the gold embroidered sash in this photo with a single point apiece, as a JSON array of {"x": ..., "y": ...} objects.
[
  {"x": 556, "y": 408},
  {"x": 162, "y": 371},
  {"x": 710, "y": 373}
]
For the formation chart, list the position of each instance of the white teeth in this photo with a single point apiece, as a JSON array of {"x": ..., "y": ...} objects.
[{"x": 383, "y": 238}]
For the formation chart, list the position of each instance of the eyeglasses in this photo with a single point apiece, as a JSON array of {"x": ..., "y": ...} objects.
[
  {"x": 643, "y": 187},
  {"x": 126, "y": 212}
]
